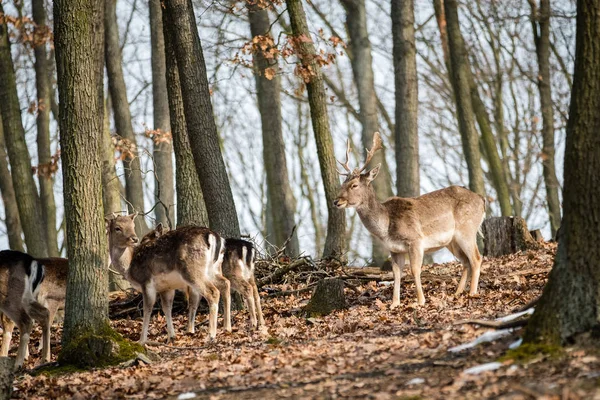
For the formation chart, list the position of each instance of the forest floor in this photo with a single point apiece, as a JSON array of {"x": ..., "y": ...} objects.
[{"x": 366, "y": 351}]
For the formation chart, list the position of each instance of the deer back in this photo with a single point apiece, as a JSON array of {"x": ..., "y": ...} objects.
[
  {"x": 20, "y": 279},
  {"x": 54, "y": 285},
  {"x": 239, "y": 259}
]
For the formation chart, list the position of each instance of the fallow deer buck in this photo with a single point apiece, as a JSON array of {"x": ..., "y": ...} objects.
[
  {"x": 449, "y": 217},
  {"x": 188, "y": 258}
]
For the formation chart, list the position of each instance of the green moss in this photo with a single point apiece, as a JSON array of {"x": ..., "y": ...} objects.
[
  {"x": 274, "y": 341},
  {"x": 528, "y": 351},
  {"x": 59, "y": 370},
  {"x": 101, "y": 348}
]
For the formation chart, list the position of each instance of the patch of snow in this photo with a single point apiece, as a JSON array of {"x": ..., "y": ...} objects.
[
  {"x": 476, "y": 370},
  {"x": 386, "y": 283},
  {"x": 186, "y": 396},
  {"x": 514, "y": 316},
  {"x": 515, "y": 344},
  {"x": 488, "y": 336},
  {"x": 415, "y": 381}
]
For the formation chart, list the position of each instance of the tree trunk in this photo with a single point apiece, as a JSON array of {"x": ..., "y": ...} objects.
[
  {"x": 362, "y": 70},
  {"x": 200, "y": 121},
  {"x": 11, "y": 209},
  {"x": 7, "y": 376},
  {"x": 462, "y": 95},
  {"x": 570, "y": 303},
  {"x": 281, "y": 198},
  {"x": 335, "y": 242},
  {"x": 28, "y": 202},
  {"x": 118, "y": 93},
  {"x": 163, "y": 144},
  {"x": 45, "y": 172},
  {"x": 506, "y": 235},
  {"x": 190, "y": 202},
  {"x": 327, "y": 297},
  {"x": 541, "y": 34}
]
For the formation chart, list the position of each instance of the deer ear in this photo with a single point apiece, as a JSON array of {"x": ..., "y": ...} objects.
[
  {"x": 132, "y": 216},
  {"x": 160, "y": 228},
  {"x": 372, "y": 174}
]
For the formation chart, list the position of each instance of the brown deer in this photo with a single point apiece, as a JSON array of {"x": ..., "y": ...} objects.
[
  {"x": 188, "y": 258},
  {"x": 449, "y": 217}
]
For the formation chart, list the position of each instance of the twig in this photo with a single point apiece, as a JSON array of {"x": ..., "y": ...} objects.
[
  {"x": 291, "y": 292},
  {"x": 494, "y": 324},
  {"x": 280, "y": 272}
]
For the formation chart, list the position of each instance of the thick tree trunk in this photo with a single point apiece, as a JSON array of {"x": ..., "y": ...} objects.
[
  {"x": 462, "y": 95},
  {"x": 79, "y": 41},
  {"x": 506, "y": 235},
  {"x": 11, "y": 209},
  {"x": 362, "y": 70},
  {"x": 7, "y": 377},
  {"x": 542, "y": 46},
  {"x": 200, "y": 121},
  {"x": 335, "y": 242},
  {"x": 281, "y": 198},
  {"x": 163, "y": 145},
  {"x": 45, "y": 173},
  {"x": 570, "y": 303},
  {"x": 26, "y": 193},
  {"x": 327, "y": 297},
  {"x": 134, "y": 186}
]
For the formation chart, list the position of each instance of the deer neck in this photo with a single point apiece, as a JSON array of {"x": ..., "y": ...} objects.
[
  {"x": 120, "y": 259},
  {"x": 374, "y": 216}
]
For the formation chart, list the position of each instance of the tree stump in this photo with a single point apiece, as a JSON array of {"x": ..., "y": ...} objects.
[
  {"x": 537, "y": 235},
  {"x": 327, "y": 297},
  {"x": 7, "y": 367},
  {"x": 506, "y": 235}
]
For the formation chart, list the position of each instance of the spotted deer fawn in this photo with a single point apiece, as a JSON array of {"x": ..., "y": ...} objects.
[
  {"x": 188, "y": 258},
  {"x": 449, "y": 217}
]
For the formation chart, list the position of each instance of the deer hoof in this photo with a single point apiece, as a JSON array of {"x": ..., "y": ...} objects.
[{"x": 394, "y": 306}]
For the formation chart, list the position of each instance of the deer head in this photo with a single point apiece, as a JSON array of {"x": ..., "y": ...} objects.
[
  {"x": 121, "y": 231},
  {"x": 357, "y": 186},
  {"x": 154, "y": 234}
]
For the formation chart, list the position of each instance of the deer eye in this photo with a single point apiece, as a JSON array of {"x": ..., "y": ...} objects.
[
  {"x": 117, "y": 229},
  {"x": 354, "y": 186}
]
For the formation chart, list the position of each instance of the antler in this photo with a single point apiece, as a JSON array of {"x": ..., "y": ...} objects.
[
  {"x": 377, "y": 144},
  {"x": 345, "y": 165}
]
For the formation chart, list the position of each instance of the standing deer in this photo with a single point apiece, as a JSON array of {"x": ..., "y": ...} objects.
[
  {"x": 449, "y": 217},
  {"x": 188, "y": 258}
]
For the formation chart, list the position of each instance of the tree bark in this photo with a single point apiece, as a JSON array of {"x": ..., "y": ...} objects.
[
  {"x": 362, "y": 70},
  {"x": 506, "y": 235},
  {"x": 327, "y": 297},
  {"x": 7, "y": 377},
  {"x": 45, "y": 173},
  {"x": 200, "y": 121},
  {"x": 11, "y": 209},
  {"x": 541, "y": 34},
  {"x": 79, "y": 41},
  {"x": 570, "y": 303},
  {"x": 282, "y": 205},
  {"x": 462, "y": 95},
  {"x": 134, "y": 186},
  {"x": 163, "y": 145},
  {"x": 28, "y": 201},
  {"x": 335, "y": 241}
]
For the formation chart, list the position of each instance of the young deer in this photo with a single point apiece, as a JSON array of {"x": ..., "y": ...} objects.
[
  {"x": 449, "y": 217},
  {"x": 188, "y": 258}
]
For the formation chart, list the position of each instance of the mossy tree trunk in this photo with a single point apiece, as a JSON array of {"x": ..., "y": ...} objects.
[
  {"x": 462, "y": 96},
  {"x": 28, "y": 201},
  {"x": 327, "y": 297},
  {"x": 164, "y": 188},
  {"x": 540, "y": 22},
  {"x": 570, "y": 303},
  {"x": 281, "y": 204},
  {"x": 201, "y": 127},
  {"x": 11, "y": 209},
  {"x": 134, "y": 186},
  {"x": 362, "y": 70},
  {"x": 79, "y": 41},
  {"x": 335, "y": 241},
  {"x": 43, "y": 88},
  {"x": 191, "y": 209}
]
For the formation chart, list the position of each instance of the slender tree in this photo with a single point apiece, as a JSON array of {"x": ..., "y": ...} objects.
[
  {"x": 335, "y": 241},
  {"x": 200, "y": 121},
  {"x": 163, "y": 146},
  {"x": 79, "y": 42},
  {"x": 569, "y": 303},
  {"x": 462, "y": 95},
  {"x": 28, "y": 201},
  {"x": 362, "y": 70},
  {"x": 11, "y": 210},
  {"x": 118, "y": 93},
  {"x": 540, "y": 23},
  {"x": 43, "y": 87},
  {"x": 190, "y": 201},
  {"x": 281, "y": 200}
]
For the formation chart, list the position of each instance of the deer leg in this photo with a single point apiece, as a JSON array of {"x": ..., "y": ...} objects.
[
  {"x": 398, "y": 260},
  {"x": 8, "y": 326},
  {"x": 259, "y": 313},
  {"x": 41, "y": 314},
  {"x": 149, "y": 298},
  {"x": 469, "y": 248},
  {"x": 212, "y": 296},
  {"x": 458, "y": 253},
  {"x": 25, "y": 326},
  {"x": 166, "y": 301},
  {"x": 247, "y": 293},
  {"x": 415, "y": 256},
  {"x": 193, "y": 301},
  {"x": 224, "y": 287}
]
